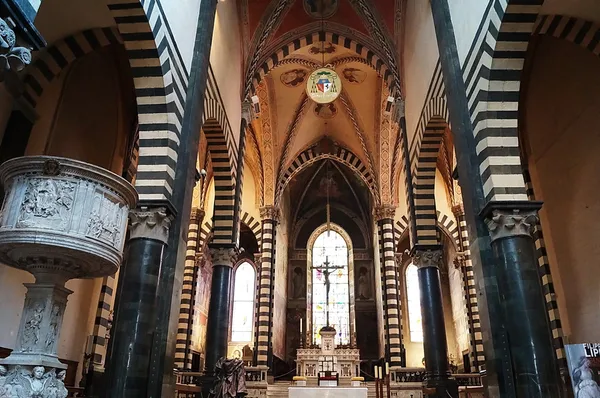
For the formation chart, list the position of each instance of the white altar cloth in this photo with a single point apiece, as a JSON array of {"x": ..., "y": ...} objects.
[{"x": 327, "y": 392}]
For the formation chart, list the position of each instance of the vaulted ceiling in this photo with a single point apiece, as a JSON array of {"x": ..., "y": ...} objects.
[{"x": 283, "y": 42}]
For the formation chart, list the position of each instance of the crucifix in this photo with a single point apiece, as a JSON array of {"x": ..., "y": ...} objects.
[{"x": 326, "y": 268}]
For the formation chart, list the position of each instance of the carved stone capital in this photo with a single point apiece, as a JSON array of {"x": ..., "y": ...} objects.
[
  {"x": 458, "y": 210},
  {"x": 150, "y": 223},
  {"x": 269, "y": 213},
  {"x": 384, "y": 212},
  {"x": 425, "y": 258},
  {"x": 197, "y": 215},
  {"x": 224, "y": 256},
  {"x": 257, "y": 258},
  {"x": 505, "y": 221},
  {"x": 199, "y": 260}
]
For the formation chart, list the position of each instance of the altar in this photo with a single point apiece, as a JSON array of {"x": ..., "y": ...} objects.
[{"x": 328, "y": 364}]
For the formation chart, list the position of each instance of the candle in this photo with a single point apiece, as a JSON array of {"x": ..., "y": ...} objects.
[
  {"x": 387, "y": 368},
  {"x": 300, "y": 326},
  {"x": 375, "y": 370}
]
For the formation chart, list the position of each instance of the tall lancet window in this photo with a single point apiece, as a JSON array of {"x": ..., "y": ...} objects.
[
  {"x": 330, "y": 251},
  {"x": 243, "y": 303},
  {"x": 413, "y": 294}
]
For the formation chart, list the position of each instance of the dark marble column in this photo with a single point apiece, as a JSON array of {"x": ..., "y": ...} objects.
[
  {"x": 511, "y": 227},
  {"x": 221, "y": 295},
  {"x": 437, "y": 379},
  {"x": 135, "y": 304}
]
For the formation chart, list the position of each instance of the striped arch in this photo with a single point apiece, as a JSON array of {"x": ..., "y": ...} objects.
[
  {"x": 50, "y": 63},
  {"x": 305, "y": 39},
  {"x": 224, "y": 216},
  {"x": 206, "y": 231},
  {"x": 585, "y": 34},
  {"x": 435, "y": 108},
  {"x": 494, "y": 98},
  {"x": 310, "y": 156},
  {"x": 424, "y": 182},
  {"x": 444, "y": 222}
]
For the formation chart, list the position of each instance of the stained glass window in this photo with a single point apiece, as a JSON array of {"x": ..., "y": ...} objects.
[
  {"x": 243, "y": 303},
  {"x": 331, "y": 247},
  {"x": 413, "y": 293}
]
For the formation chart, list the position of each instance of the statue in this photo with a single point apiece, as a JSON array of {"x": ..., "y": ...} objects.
[
  {"x": 364, "y": 291},
  {"x": 31, "y": 333},
  {"x": 298, "y": 283},
  {"x": 231, "y": 379}
]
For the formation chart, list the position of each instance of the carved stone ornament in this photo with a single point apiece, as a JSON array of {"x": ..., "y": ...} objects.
[
  {"x": 150, "y": 223},
  {"x": 223, "y": 256},
  {"x": 269, "y": 213},
  {"x": 384, "y": 212},
  {"x": 399, "y": 109},
  {"x": 35, "y": 382},
  {"x": 12, "y": 57},
  {"x": 247, "y": 111},
  {"x": 257, "y": 258},
  {"x": 507, "y": 223},
  {"x": 197, "y": 215},
  {"x": 61, "y": 219},
  {"x": 427, "y": 258},
  {"x": 460, "y": 259}
]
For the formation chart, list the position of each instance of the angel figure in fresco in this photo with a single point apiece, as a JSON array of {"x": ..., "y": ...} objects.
[{"x": 583, "y": 378}]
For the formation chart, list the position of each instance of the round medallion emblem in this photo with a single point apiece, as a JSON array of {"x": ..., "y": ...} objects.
[
  {"x": 320, "y": 8},
  {"x": 323, "y": 86}
]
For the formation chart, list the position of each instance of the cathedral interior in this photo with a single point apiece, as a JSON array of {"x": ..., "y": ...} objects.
[{"x": 392, "y": 193}]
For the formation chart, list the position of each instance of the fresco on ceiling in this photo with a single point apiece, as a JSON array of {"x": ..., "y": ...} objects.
[
  {"x": 354, "y": 75},
  {"x": 325, "y": 111},
  {"x": 294, "y": 77},
  {"x": 320, "y": 8},
  {"x": 322, "y": 48}
]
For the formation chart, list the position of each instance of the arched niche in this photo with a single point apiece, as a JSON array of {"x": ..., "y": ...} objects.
[{"x": 311, "y": 338}]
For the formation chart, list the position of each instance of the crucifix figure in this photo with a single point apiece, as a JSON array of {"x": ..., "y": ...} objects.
[{"x": 326, "y": 268}]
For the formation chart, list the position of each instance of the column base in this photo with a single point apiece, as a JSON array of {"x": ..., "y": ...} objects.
[{"x": 32, "y": 381}]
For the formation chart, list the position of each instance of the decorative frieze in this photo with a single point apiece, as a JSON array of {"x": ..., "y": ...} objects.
[
  {"x": 425, "y": 258},
  {"x": 150, "y": 224},
  {"x": 26, "y": 381}
]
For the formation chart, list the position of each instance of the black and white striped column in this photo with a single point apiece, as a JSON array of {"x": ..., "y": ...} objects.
[
  {"x": 183, "y": 352},
  {"x": 391, "y": 302},
  {"x": 264, "y": 316},
  {"x": 466, "y": 265}
]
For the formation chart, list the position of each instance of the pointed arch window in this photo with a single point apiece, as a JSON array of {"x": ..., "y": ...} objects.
[
  {"x": 243, "y": 303},
  {"x": 331, "y": 247},
  {"x": 413, "y": 294}
]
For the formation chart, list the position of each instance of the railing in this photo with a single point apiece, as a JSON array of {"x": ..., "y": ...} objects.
[
  {"x": 417, "y": 375},
  {"x": 188, "y": 384},
  {"x": 468, "y": 380}
]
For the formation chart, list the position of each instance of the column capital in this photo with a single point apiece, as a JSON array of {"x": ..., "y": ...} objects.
[
  {"x": 427, "y": 256},
  {"x": 197, "y": 215},
  {"x": 460, "y": 259},
  {"x": 269, "y": 213},
  {"x": 384, "y": 212},
  {"x": 509, "y": 219},
  {"x": 257, "y": 258},
  {"x": 399, "y": 109},
  {"x": 150, "y": 223},
  {"x": 224, "y": 256},
  {"x": 458, "y": 210}
]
